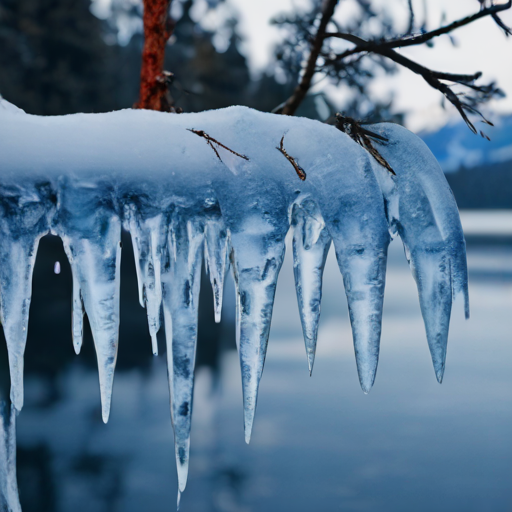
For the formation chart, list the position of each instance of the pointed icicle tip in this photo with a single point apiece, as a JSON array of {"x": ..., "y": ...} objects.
[
  {"x": 178, "y": 500},
  {"x": 255, "y": 295},
  {"x": 311, "y": 244},
  {"x": 248, "y": 423},
  {"x": 434, "y": 280},
  {"x": 216, "y": 249},
  {"x": 181, "y": 287},
  {"x": 364, "y": 278},
  {"x": 105, "y": 405},
  {"x": 440, "y": 374},
  {"x": 154, "y": 344},
  {"x": 78, "y": 318}
]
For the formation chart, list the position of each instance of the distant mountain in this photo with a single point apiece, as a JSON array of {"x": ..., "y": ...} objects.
[
  {"x": 479, "y": 171},
  {"x": 455, "y": 146}
]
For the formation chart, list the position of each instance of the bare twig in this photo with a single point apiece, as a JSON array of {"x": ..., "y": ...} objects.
[
  {"x": 363, "y": 137},
  {"x": 211, "y": 141},
  {"x": 411, "y": 17},
  {"x": 433, "y": 78},
  {"x": 402, "y": 42},
  {"x": 292, "y": 103},
  {"x": 301, "y": 173}
]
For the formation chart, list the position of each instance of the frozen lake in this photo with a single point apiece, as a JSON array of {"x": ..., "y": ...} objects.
[{"x": 318, "y": 442}]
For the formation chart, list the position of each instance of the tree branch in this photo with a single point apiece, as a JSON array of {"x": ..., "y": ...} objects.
[
  {"x": 410, "y": 28},
  {"x": 433, "y": 78},
  {"x": 291, "y": 105},
  {"x": 402, "y": 42}
]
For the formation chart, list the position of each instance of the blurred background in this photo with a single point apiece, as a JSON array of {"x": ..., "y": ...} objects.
[{"x": 319, "y": 443}]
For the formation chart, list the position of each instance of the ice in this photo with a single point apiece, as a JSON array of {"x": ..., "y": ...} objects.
[
  {"x": 216, "y": 258},
  {"x": 25, "y": 210},
  {"x": 353, "y": 209},
  {"x": 422, "y": 209},
  {"x": 257, "y": 221},
  {"x": 311, "y": 243},
  {"x": 148, "y": 237},
  {"x": 181, "y": 283},
  {"x": 91, "y": 233},
  {"x": 215, "y": 185},
  {"x": 9, "y": 500},
  {"x": 77, "y": 326}
]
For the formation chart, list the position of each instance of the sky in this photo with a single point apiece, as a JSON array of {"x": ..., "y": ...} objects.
[{"x": 481, "y": 46}]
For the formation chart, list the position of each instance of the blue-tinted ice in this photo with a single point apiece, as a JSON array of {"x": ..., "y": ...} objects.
[{"x": 184, "y": 200}]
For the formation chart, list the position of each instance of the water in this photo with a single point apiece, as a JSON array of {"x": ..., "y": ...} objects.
[{"x": 318, "y": 442}]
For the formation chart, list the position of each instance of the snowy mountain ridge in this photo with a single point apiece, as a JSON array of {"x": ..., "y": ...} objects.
[{"x": 455, "y": 146}]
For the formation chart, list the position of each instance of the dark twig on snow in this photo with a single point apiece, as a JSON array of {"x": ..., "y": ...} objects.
[
  {"x": 301, "y": 173},
  {"x": 363, "y": 137},
  {"x": 211, "y": 141}
]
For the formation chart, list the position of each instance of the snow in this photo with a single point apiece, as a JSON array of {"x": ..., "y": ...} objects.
[{"x": 185, "y": 197}]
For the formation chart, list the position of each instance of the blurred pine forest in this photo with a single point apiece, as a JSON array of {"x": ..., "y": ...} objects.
[{"x": 58, "y": 58}]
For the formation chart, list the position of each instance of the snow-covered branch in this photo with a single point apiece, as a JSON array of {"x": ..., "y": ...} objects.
[{"x": 83, "y": 177}]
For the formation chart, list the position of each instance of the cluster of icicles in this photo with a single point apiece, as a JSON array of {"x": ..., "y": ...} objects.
[{"x": 228, "y": 198}]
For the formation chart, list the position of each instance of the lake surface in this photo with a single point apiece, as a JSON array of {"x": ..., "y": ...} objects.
[{"x": 318, "y": 442}]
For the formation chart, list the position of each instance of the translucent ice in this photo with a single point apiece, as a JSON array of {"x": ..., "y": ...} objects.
[
  {"x": 148, "y": 237},
  {"x": 215, "y": 185},
  {"x": 9, "y": 500},
  {"x": 91, "y": 233},
  {"x": 181, "y": 283},
  {"x": 216, "y": 257},
  {"x": 25, "y": 212},
  {"x": 422, "y": 210},
  {"x": 311, "y": 243}
]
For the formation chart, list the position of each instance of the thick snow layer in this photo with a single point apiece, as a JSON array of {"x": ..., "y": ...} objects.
[{"x": 215, "y": 186}]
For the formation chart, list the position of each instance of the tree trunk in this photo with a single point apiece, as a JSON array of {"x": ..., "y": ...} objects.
[{"x": 158, "y": 27}]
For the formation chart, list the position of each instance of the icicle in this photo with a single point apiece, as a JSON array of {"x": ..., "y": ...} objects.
[
  {"x": 16, "y": 269},
  {"x": 432, "y": 272},
  {"x": 311, "y": 243},
  {"x": 353, "y": 209},
  {"x": 427, "y": 219},
  {"x": 364, "y": 270},
  {"x": 91, "y": 234},
  {"x": 148, "y": 238},
  {"x": 24, "y": 219},
  {"x": 256, "y": 286},
  {"x": 77, "y": 314},
  {"x": 9, "y": 499},
  {"x": 181, "y": 283},
  {"x": 216, "y": 245}
]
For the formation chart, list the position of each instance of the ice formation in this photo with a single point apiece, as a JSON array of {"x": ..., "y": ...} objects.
[
  {"x": 214, "y": 186},
  {"x": 9, "y": 500}
]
